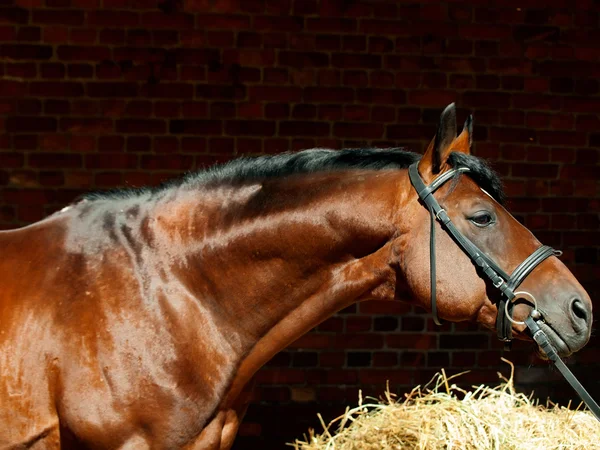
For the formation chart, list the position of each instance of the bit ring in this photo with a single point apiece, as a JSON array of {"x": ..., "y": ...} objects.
[{"x": 518, "y": 295}]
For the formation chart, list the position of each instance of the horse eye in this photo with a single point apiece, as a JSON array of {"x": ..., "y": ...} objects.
[{"x": 482, "y": 219}]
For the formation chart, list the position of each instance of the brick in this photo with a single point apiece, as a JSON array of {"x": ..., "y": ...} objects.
[
  {"x": 14, "y": 15},
  {"x": 352, "y": 61},
  {"x": 411, "y": 341},
  {"x": 536, "y": 101},
  {"x": 83, "y": 36},
  {"x": 176, "y": 20},
  {"x": 12, "y": 160},
  {"x": 82, "y": 53},
  {"x": 304, "y": 111},
  {"x": 25, "y": 142},
  {"x": 301, "y": 60},
  {"x": 562, "y": 138},
  {"x": 454, "y": 64},
  {"x": 302, "y": 42},
  {"x": 356, "y": 78},
  {"x": 356, "y": 113},
  {"x": 408, "y": 132},
  {"x": 7, "y": 33},
  {"x": 546, "y": 171},
  {"x": 167, "y": 109},
  {"x": 431, "y": 97},
  {"x": 80, "y": 71},
  {"x": 277, "y": 23},
  {"x": 331, "y": 25},
  {"x": 115, "y": 89},
  {"x": 303, "y": 128},
  {"x": 487, "y": 99},
  {"x": 8, "y": 107},
  {"x": 586, "y": 86},
  {"x": 276, "y": 145},
  {"x": 250, "y": 128},
  {"x": 381, "y": 96},
  {"x": 112, "y": 36},
  {"x": 167, "y": 90},
  {"x": 358, "y": 130},
  {"x": 22, "y": 124},
  {"x": 167, "y": 162},
  {"x": 201, "y": 127},
  {"x": 52, "y": 70},
  {"x": 249, "y": 145},
  {"x": 247, "y": 39},
  {"x": 28, "y": 196},
  {"x": 380, "y": 44},
  {"x": 107, "y": 18},
  {"x": 275, "y": 93},
  {"x": 581, "y": 104},
  {"x": 512, "y": 135},
  {"x": 220, "y": 38},
  {"x": 277, "y": 111},
  {"x": 383, "y": 114},
  {"x": 138, "y": 144},
  {"x": 224, "y": 21},
  {"x": 21, "y": 70},
  {"x": 111, "y": 143},
  {"x": 249, "y": 57},
  {"x": 111, "y": 161},
  {"x": 144, "y": 126},
  {"x": 54, "y": 160},
  {"x": 58, "y": 17},
  {"x": 29, "y": 34},
  {"x": 328, "y": 94},
  {"x": 221, "y": 92},
  {"x": 17, "y": 52}
]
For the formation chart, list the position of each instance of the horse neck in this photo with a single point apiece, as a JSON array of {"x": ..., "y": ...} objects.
[{"x": 280, "y": 256}]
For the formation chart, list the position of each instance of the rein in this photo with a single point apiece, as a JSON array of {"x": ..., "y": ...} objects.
[{"x": 507, "y": 284}]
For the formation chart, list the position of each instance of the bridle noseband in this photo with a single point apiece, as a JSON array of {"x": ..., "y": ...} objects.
[{"x": 507, "y": 284}]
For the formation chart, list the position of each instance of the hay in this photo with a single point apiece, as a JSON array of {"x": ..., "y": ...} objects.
[{"x": 443, "y": 416}]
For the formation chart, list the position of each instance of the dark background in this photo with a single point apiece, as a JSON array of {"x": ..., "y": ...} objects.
[{"x": 96, "y": 94}]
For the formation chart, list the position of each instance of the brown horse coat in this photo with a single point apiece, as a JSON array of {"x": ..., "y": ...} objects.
[{"x": 137, "y": 320}]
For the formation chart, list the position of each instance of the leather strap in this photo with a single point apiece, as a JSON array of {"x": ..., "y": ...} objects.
[
  {"x": 499, "y": 278},
  {"x": 542, "y": 340}
]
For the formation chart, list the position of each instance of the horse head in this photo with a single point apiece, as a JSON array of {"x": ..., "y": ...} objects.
[{"x": 478, "y": 244}]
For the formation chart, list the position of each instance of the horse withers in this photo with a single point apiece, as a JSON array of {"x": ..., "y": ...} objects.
[{"x": 137, "y": 318}]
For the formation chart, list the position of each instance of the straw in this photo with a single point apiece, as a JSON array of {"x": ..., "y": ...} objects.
[{"x": 441, "y": 415}]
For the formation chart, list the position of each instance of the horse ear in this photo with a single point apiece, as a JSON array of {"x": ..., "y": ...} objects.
[
  {"x": 464, "y": 141},
  {"x": 434, "y": 159}
]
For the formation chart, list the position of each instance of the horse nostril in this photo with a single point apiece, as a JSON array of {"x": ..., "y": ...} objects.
[{"x": 579, "y": 310}]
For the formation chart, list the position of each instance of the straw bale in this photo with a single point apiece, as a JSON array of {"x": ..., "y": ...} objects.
[{"x": 440, "y": 415}]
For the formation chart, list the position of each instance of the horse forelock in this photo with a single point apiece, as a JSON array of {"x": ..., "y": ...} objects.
[{"x": 480, "y": 172}]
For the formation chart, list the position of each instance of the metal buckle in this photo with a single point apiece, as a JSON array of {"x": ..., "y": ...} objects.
[
  {"x": 518, "y": 295},
  {"x": 497, "y": 285},
  {"x": 437, "y": 214}
]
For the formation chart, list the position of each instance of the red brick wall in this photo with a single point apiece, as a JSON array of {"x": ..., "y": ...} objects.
[{"x": 130, "y": 92}]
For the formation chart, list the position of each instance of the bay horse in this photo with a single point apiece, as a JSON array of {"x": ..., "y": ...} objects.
[{"x": 137, "y": 318}]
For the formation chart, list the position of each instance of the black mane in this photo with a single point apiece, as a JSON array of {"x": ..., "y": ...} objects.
[{"x": 310, "y": 161}]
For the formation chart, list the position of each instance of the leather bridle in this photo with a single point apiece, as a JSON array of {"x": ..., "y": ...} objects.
[{"x": 505, "y": 283}]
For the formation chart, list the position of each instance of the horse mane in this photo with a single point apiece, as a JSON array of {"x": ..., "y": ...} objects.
[{"x": 308, "y": 161}]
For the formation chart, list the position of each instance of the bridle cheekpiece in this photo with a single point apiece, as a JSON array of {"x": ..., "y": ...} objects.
[{"x": 507, "y": 284}]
